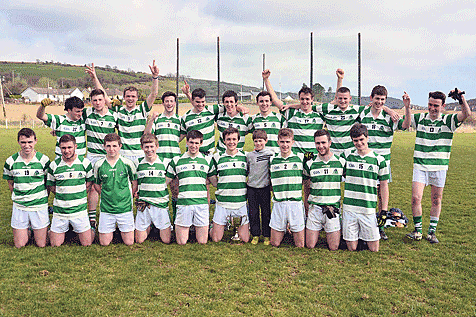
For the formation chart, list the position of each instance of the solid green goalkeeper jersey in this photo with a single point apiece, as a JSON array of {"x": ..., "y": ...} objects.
[
  {"x": 29, "y": 190},
  {"x": 70, "y": 182},
  {"x": 231, "y": 187},
  {"x": 130, "y": 127},
  {"x": 115, "y": 181},
  {"x": 151, "y": 182},
  {"x": 192, "y": 173},
  {"x": 286, "y": 177}
]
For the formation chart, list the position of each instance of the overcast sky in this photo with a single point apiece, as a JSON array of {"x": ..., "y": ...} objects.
[{"x": 406, "y": 45}]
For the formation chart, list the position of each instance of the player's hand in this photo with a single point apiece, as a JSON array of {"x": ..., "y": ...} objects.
[
  {"x": 340, "y": 73},
  {"x": 186, "y": 88},
  {"x": 154, "y": 69},
  {"x": 53, "y": 132},
  {"x": 266, "y": 73},
  {"x": 46, "y": 102},
  {"x": 243, "y": 109},
  {"x": 406, "y": 99},
  {"x": 382, "y": 218},
  {"x": 285, "y": 107},
  {"x": 393, "y": 115},
  {"x": 115, "y": 102},
  {"x": 91, "y": 71}
]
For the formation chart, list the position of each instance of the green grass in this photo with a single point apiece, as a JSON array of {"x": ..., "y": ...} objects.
[{"x": 221, "y": 279}]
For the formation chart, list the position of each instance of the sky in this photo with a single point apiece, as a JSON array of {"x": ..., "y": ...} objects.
[{"x": 412, "y": 46}]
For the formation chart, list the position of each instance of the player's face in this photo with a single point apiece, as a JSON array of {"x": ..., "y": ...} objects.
[
  {"x": 231, "y": 141},
  {"x": 343, "y": 100},
  {"x": 361, "y": 143},
  {"x": 67, "y": 150},
  {"x": 98, "y": 102},
  {"x": 259, "y": 144},
  {"x": 230, "y": 106},
  {"x": 306, "y": 102},
  {"x": 378, "y": 101},
  {"x": 194, "y": 146},
  {"x": 131, "y": 97},
  {"x": 264, "y": 104},
  {"x": 285, "y": 145},
  {"x": 27, "y": 145},
  {"x": 198, "y": 104},
  {"x": 435, "y": 107},
  {"x": 169, "y": 104},
  {"x": 149, "y": 149},
  {"x": 112, "y": 148},
  {"x": 323, "y": 145},
  {"x": 75, "y": 114}
]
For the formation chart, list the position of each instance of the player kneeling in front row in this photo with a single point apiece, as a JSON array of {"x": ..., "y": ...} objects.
[
  {"x": 231, "y": 188},
  {"x": 363, "y": 170},
  {"x": 153, "y": 196},
  {"x": 25, "y": 173},
  {"x": 70, "y": 177},
  {"x": 115, "y": 179},
  {"x": 324, "y": 174},
  {"x": 286, "y": 170},
  {"x": 192, "y": 169}
]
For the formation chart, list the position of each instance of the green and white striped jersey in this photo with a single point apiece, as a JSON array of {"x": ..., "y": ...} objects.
[
  {"x": 70, "y": 182},
  {"x": 433, "y": 140},
  {"x": 325, "y": 180},
  {"x": 338, "y": 124},
  {"x": 303, "y": 126},
  {"x": 286, "y": 177},
  {"x": 271, "y": 125},
  {"x": 239, "y": 121},
  {"x": 151, "y": 182},
  {"x": 192, "y": 173},
  {"x": 381, "y": 130},
  {"x": 115, "y": 181},
  {"x": 203, "y": 122},
  {"x": 29, "y": 190},
  {"x": 130, "y": 127},
  {"x": 62, "y": 125},
  {"x": 231, "y": 187},
  {"x": 167, "y": 130},
  {"x": 362, "y": 176},
  {"x": 97, "y": 126}
]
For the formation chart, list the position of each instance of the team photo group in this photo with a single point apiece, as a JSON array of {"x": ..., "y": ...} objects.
[{"x": 117, "y": 155}]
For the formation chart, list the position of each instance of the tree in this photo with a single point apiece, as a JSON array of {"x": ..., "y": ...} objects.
[
  {"x": 318, "y": 90},
  {"x": 45, "y": 82}
]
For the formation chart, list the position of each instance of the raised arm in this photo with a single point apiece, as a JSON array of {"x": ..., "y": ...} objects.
[
  {"x": 150, "y": 122},
  {"x": 41, "y": 113},
  {"x": 340, "y": 79},
  {"x": 154, "y": 91},
  {"x": 465, "y": 110},
  {"x": 91, "y": 71},
  {"x": 406, "y": 103},
  {"x": 186, "y": 90},
  {"x": 274, "y": 98}
]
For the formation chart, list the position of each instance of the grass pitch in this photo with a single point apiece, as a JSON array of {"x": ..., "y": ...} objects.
[{"x": 221, "y": 279}]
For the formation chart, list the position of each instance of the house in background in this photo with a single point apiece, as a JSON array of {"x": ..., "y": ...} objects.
[
  {"x": 111, "y": 92},
  {"x": 35, "y": 94}
]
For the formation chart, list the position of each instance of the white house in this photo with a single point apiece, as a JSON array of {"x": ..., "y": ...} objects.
[{"x": 35, "y": 94}]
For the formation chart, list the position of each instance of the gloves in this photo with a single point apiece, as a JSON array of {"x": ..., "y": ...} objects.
[
  {"x": 142, "y": 205},
  {"x": 382, "y": 218},
  {"x": 330, "y": 211},
  {"x": 115, "y": 102},
  {"x": 46, "y": 102}
]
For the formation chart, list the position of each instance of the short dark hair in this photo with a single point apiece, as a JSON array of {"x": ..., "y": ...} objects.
[
  {"x": 194, "y": 134},
  {"x": 168, "y": 94},
  {"x": 229, "y": 93},
  {"x": 131, "y": 88},
  {"x": 322, "y": 132},
  {"x": 111, "y": 137},
  {"x": 26, "y": 132},
  {"x": 67, "y": 138},
  {"x": 230, "y": 130},
  {"x": 306, "y": 90},
  {"x": 199, "y": 92},
  {"x": 148, "y": 138},
  {"x": 437, "y": 95},
  {"x": 343, "y": 90},
  {"x": 357, "y": 130},
  {"x": 263, "y": 94},
  {"x": 96, "y": 92},
  {"x": 285, "y": 132},
  {"x": 73, "y": 102},
  {"x": 379, "y": 90},
  {"x": 260, "y": 134}
]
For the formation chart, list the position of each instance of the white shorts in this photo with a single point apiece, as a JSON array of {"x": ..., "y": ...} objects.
[
  {"x": 61, "y": 225},
  {"x": 21, "y": 219},
  {"x": 158, "y": 216},
  {"x": 316, "y": 220},
  {"x": 357, "y": 226},
  {"x": 434, "y": 178},
  {"x": 107, "y": 222},
  {"x": 285, "y": 212},
  {"x": 93, "y": 158},
  {"x": 222, "y": 215},
  {"x": 197, "y": 215}
]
